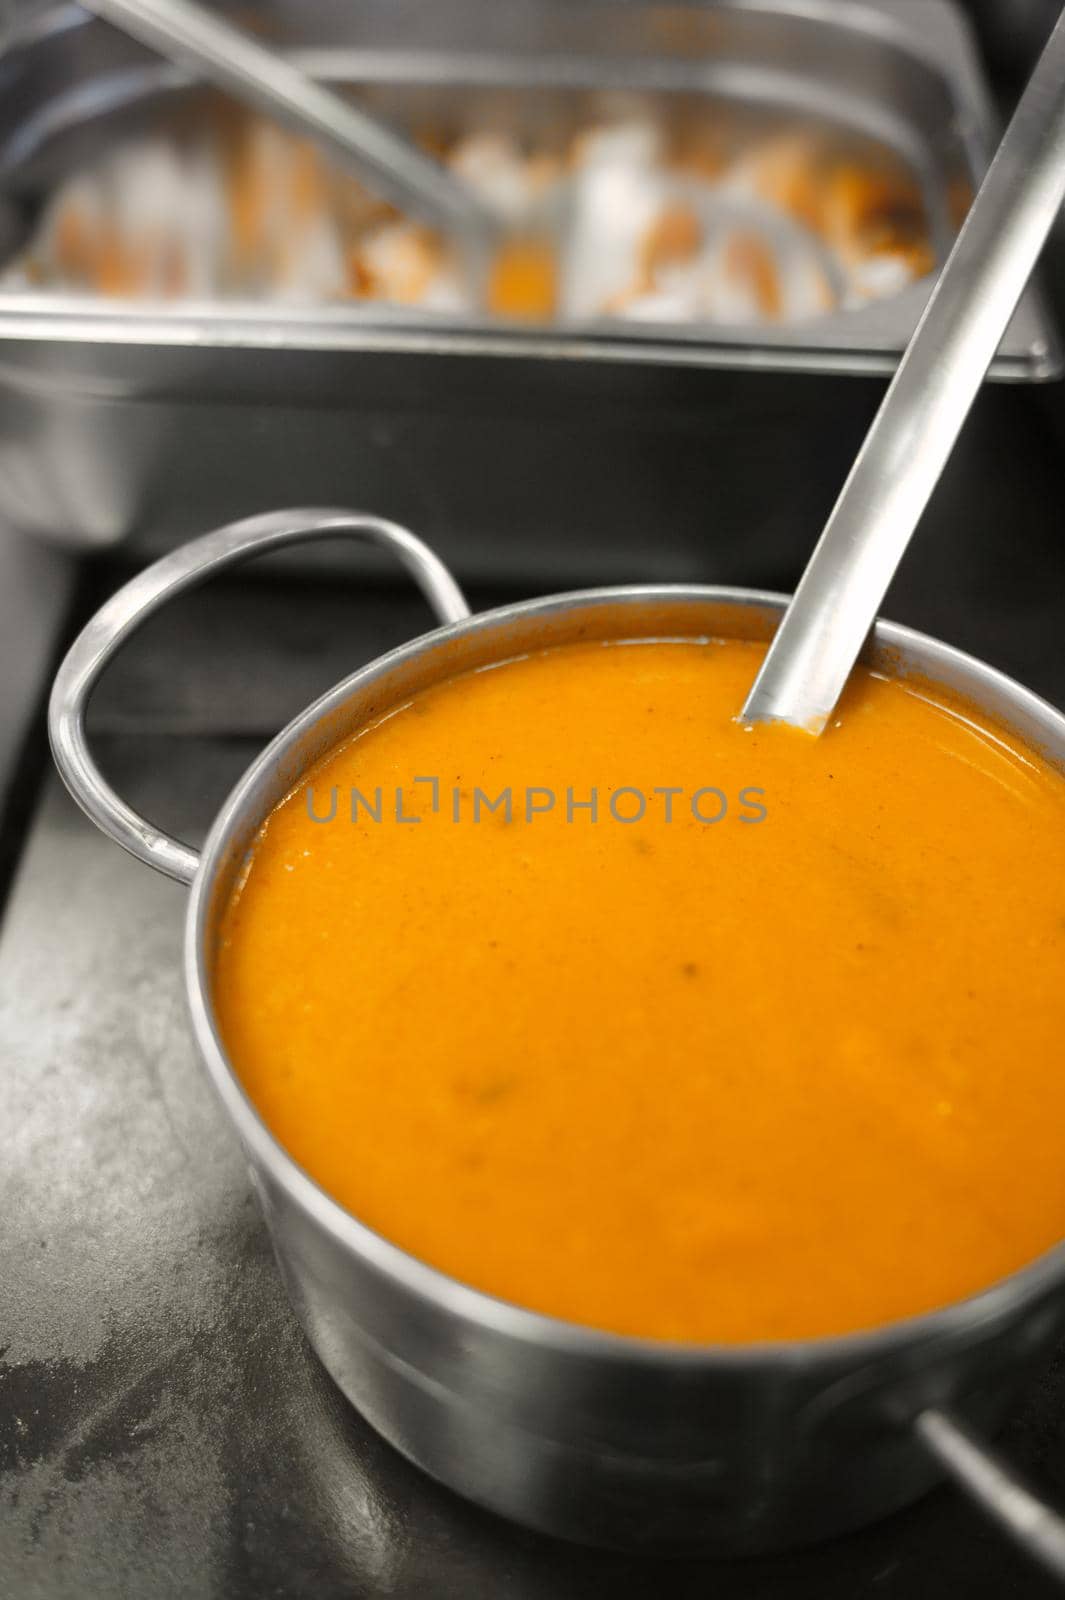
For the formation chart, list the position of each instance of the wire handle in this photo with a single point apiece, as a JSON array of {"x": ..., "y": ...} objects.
[
  {"x": 137, "y": 600},
  {"x": 1018, "y": 1510}
]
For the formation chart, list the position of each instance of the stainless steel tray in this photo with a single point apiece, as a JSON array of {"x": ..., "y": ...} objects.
[{"x": 120, "y": 420}]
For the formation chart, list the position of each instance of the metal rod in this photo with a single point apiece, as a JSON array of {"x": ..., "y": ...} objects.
[
  {"x": 962, "y": 1453},
  {"x": 192, "y": 37},
  {"x": 920, "y": 418}
]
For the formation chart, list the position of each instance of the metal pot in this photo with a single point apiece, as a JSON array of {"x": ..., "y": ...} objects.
[{"x": 592, "y": 1436}]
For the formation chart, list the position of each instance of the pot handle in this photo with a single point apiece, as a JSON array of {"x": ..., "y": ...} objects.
[
  {"x": 975, "y": 1467},
  {"x": 135, "y": 602}
]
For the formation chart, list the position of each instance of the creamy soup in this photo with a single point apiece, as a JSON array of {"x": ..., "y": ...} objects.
[{"x": 711, "y": 1033}]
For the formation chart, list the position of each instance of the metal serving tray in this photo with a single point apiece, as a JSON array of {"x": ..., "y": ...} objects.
[{"x": 119, "y": 420}]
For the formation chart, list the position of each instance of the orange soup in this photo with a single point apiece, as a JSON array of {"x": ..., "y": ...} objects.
[{"x": 573, "y": 987}]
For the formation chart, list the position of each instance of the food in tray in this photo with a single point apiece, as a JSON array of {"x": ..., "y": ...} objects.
[
  {"x": 722, "y": 221},
  {"x": 566, "y": 982}
]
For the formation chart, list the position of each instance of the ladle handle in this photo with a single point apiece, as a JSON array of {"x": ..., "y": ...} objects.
[
  {"x": 185, "y": 32},
  {"x": 135, "y": 602},
  {"x": 899, "y": 464},
  {"x": 963, "y": 1455}
]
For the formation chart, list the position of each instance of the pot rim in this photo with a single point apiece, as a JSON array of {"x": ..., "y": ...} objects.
[{"x": 1002, "y": 1299}]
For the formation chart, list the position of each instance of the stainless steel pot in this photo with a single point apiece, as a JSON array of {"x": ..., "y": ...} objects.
[{"x": 592, "y": 1436}]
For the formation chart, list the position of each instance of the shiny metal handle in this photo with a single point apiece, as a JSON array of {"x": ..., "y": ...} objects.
[
  {"x": 186, "y": 33},
  {"x": 996, "y": 1487},
  {"x": 914, "y": 431},
  {"x": 135, "y": 602}
]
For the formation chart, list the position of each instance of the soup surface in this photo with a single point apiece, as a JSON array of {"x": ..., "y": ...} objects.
[{"x": 763, "y": 1043}]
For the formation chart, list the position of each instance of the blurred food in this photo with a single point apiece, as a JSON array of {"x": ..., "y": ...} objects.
[
  {"x": 524, "y": 279},
  {"x": 722, "y": 223}
]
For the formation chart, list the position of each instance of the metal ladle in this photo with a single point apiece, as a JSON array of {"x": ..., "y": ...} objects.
[
  {"x": 913, "y": 433},
  {"x": 186, "y": 34}
]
